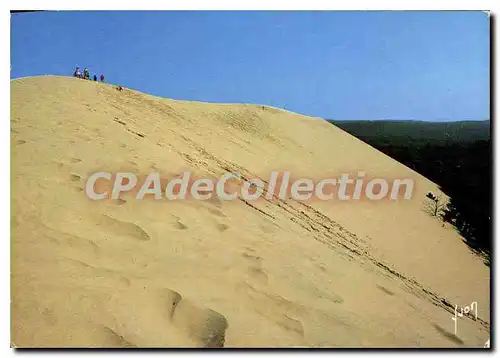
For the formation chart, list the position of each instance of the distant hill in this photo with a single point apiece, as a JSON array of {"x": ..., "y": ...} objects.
[{"x": 416, "y": 132}]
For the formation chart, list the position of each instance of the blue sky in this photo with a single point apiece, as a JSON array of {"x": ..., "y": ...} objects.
[{"x": 431, "y": 66}]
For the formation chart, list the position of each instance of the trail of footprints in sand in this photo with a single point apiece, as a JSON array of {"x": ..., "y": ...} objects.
[
  {"x": 255, "y": 270},
  {"x": 323, "y": 229},
  {"x": 144, "y": 317},
  {"x": 200, "y": 326},
  {"x": 275, "y": 308},
  {"x": 137, "y": 315},
  {"x": 210, "y": 333},
  {"x": 147, "y": 317},
  {"x": 204, "y": 327}
]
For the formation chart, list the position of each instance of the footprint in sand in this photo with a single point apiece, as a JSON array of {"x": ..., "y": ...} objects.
[
  {"x": 120, "y": 201},
  {"x": 252, "y": 258},
  {"x": 291, "y": 324},
  {"x": 277, "y": 309},
  {"x": 215, "y": 202},
  {"x": 385, "y": 290},
  {"x": 137, "y": 312},
  {"x": 270, "y": 228},
  {"x": 450, "y": 336},
  {"x": 122, "y": 228},
  {"x": 255, "y": 271},
  {"x": 222, "y": 227},
  {"x": 49, "y": 316},
  {"x": 257, "y": 274},
  {"x": 179, "y": 225},
  {"x": 116, "y": 340},
  {"x": 216, "y": 212},
  {"x": 67, "y": 240}
]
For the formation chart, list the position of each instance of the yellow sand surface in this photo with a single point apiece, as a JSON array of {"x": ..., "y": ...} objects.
[{"x": 266, "y": 273}]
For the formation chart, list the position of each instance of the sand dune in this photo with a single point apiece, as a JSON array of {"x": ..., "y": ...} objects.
[{"x": 209, "y": 274}]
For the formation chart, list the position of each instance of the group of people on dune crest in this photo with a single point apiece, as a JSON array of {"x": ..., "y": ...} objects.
[{"x": 86, "y": 74}]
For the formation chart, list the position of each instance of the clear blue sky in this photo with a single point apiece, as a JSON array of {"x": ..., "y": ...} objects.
[{"x": 340, "y": 65}]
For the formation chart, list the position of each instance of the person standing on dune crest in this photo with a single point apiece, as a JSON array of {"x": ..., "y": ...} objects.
[
  {"x": 102, "y": 77},
  {"x": 77, "y": 73}
]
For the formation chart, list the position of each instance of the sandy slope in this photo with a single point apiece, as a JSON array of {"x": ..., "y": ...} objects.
[{"x": 150, "y": 273}]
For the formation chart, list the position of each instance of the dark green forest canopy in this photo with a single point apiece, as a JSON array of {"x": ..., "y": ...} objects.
[{"x": 417, "y": 132}]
